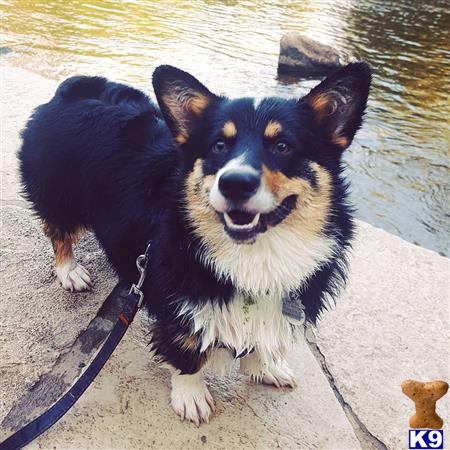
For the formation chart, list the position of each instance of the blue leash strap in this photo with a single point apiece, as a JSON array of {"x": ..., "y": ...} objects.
[{"x": 131, "y": 300}]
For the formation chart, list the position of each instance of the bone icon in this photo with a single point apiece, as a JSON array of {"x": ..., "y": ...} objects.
[{"x": 425, "y": 396}]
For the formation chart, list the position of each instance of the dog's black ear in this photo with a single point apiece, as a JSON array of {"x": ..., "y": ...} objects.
[
  {"x": 339, "y": 101},
  {"x": 182, "y": 99}
]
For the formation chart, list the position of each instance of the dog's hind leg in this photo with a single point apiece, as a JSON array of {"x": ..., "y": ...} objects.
[{"x": 72, "y": 275}]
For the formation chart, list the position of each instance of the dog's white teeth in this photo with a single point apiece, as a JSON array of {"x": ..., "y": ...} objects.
[
  {"x": 230, "y": 224},
  {"x": 255, "y": 221},
  {"x": 228, "y": 220}
]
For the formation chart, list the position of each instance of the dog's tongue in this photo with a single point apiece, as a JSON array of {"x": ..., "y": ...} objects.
[{"x": 241, "y": 217}]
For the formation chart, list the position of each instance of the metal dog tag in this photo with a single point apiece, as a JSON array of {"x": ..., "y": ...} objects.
[{"x": 293, "y": 308}]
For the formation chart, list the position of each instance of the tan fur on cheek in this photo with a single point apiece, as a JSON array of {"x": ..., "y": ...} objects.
[
  {"x": 202, "y": 216},
  {"x": 256, "y": 268},
  {"x": 281, "y": 186},
  {"x": 313, "y": 205},
  {"x": 272, "y": 180}
]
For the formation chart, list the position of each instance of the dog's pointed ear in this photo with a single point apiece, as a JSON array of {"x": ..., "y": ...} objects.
[
  {"x": 182, "y": 99},
  {"x": 338, "y": 103}
]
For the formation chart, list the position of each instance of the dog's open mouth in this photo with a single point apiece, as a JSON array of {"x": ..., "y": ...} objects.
[
  {"x": 244, "y": 226},
  {"x": 241, "y": 220}
]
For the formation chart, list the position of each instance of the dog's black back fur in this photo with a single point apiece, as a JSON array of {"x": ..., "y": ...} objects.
[{"x": 98, "y": 155}]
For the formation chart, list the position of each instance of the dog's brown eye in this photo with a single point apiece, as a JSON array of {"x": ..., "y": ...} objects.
[
  {"x": 281, "y": 147},
  {"x": 220, "y": 147}
]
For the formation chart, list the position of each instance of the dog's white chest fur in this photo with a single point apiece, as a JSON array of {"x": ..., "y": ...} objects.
[
  {"x": 278, "y": 262},
  {"x": 243, "y": 324}
]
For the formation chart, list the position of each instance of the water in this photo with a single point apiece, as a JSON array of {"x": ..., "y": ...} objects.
[{"x": 399, "y": 163}]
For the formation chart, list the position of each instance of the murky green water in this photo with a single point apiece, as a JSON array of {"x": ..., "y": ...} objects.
[{"x": 398, "y": 165}]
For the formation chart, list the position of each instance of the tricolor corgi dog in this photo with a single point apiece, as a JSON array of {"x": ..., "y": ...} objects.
[{"x": 244, "y": 203}]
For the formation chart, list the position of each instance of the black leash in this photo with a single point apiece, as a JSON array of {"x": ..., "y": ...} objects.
[{"x": 132, "y": 301}]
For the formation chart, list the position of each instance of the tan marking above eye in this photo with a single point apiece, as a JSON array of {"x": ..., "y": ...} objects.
[
  {"x": 229, "y": 130},
  {"x": 180, "y": 138},
  {"x": 273, "y": 128}
]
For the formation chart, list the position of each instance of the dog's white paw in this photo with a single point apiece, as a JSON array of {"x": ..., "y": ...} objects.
[
  {"x": 280, "y": 376},
  {"x": 73, "y": 276},
  {"x": 191, "y": 399}
]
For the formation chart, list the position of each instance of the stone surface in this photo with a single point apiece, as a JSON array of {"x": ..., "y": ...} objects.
[
  {"x": 391, "y": 324},
  {"x": 40, "y": 321},
  {"x": 301, "y": 55},
  {"x": 128, "y": 407}
]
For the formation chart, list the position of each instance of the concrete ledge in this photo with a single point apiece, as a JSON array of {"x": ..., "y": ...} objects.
[
  {"x": 129, "y": 407},
  {"x": 40, "y": 321},
  {"x": 391, "y": 324}
]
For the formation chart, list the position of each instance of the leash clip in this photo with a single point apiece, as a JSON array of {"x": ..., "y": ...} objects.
[{"x": 141, "y": 264}]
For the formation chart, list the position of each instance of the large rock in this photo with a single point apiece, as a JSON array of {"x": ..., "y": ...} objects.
[{"x": 300, "y": 55}]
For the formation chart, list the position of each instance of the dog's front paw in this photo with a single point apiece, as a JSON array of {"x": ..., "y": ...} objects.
[
  {"x": 280, "y": 376},
  {"x": 191, "y": 399},
  {"x": 73, "y": 277}
]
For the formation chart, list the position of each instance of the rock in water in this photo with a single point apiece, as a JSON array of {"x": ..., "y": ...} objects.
[{"x": 300, "y": 55}]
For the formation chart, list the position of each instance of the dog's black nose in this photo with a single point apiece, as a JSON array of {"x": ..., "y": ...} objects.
[{"x": 238, "y": 186}]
